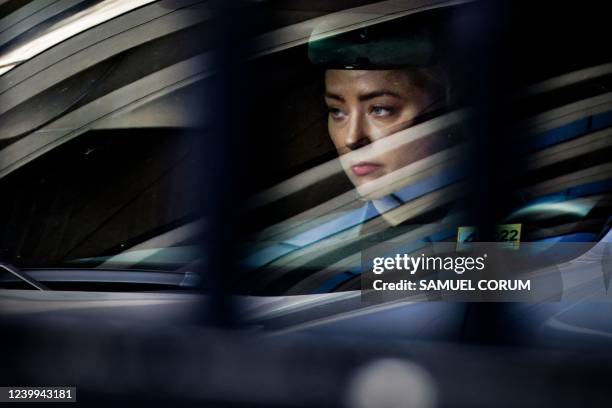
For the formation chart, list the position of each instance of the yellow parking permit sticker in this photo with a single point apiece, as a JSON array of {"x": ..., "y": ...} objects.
[{"x": 510, "y": 234}]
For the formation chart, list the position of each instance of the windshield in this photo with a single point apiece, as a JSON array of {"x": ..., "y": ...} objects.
[
  {"x": 335, "y": 135},
  {"x": 384, "y": 139}
]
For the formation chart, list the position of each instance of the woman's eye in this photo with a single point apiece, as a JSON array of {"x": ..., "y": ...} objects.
[
  {"x": 336, "y": 113},
  {"x": 381, "y": 111}
]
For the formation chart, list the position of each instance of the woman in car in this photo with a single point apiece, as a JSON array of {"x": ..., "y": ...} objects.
[{"x": 379, "y": 82}]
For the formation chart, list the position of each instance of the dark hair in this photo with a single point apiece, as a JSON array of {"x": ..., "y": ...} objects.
[{"x": 434, "y": 79}]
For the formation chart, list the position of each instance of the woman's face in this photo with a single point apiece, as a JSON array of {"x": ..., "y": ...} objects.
[{"x": 366, "y": 106}]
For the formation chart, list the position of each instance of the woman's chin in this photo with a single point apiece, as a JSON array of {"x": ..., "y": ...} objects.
[{"x": 372, "y": 188}]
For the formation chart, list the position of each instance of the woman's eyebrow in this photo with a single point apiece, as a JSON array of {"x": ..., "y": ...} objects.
[
  {"x": 334, "y": 96},
  {"x": 376, "y": 94},
  {"x": 365, "y": 96}
]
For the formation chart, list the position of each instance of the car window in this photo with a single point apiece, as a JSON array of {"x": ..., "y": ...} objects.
[{"x": 102, "y": 194}]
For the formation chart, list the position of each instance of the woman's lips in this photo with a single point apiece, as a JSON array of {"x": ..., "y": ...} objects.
[{"x": 364, "y": 168}]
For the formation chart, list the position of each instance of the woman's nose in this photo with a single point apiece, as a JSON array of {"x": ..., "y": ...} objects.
[{"x": 357, "y": 134}]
